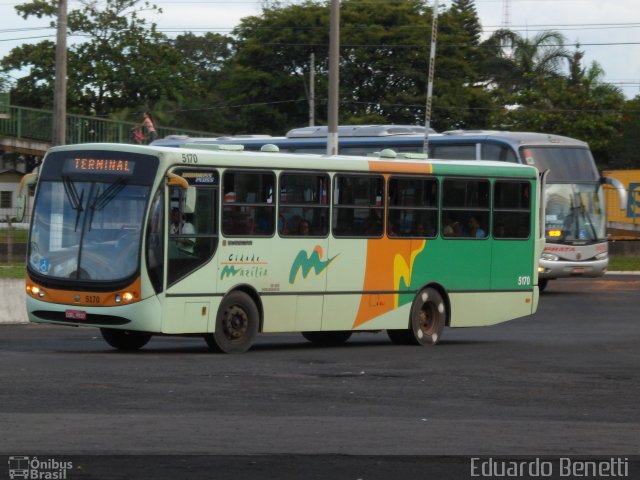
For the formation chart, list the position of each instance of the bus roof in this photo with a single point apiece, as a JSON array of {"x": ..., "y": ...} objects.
[
  {"x": 365, "y": 134},
  {"x": 249, "y": 159},
  {"x": 519, "y": 138}
]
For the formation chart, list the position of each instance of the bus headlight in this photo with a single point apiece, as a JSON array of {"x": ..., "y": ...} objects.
[
  {"x": 125, "y": 297},
  {"x": 550, "y": 257},
  {"x": 35, "y": 291}
]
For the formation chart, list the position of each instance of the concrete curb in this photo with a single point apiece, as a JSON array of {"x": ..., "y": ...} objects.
[{"x": 13, "y": 302}]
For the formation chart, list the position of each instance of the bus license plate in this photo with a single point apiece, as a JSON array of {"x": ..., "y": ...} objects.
[
  {"x": 75, "y": 314},
  {"x": 578, "y": 269}
]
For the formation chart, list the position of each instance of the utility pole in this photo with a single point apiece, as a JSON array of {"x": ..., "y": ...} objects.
[
  {"x": 60, "y": 89},
  {"x": 432, "y": 63},
  {"x": 334, "y": 79},
  {"x": 506, "y": 15},
  {"x": 312, "y": 89}
]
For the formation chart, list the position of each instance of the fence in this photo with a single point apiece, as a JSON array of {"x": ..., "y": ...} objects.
[{"x": 35, "y": 124}]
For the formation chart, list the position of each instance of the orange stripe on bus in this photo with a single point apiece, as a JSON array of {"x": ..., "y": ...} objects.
[
  {"x": 88, "y": 298},
  {"x": 400, "y": 167}
]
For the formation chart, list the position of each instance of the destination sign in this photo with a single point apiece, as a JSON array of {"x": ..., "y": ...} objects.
[{"x": 111, "y": 166}]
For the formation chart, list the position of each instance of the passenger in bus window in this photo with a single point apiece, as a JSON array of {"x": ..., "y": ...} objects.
[
  {"x": 475, "y": 230},
  {"x": 182, "y": 227},
  {"x": 452, "y": 228},
  {"x": 420, "y": 231},
  {"x": 304, "y": 227}
]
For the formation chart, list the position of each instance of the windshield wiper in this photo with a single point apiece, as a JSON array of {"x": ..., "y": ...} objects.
[
  {"x": 586, "y": 217},
  {"x": 104, "y": 198},
  {"x": 74, "y": 199}
]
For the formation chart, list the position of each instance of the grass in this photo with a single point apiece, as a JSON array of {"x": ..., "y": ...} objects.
[
  {"x": 624, "y": 264},
  {"x": 12, "y": 270},
  {"x": 19, "y": 236}
]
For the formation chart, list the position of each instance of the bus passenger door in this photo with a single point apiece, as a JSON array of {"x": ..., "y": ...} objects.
[{"x": 192, "y": 241}]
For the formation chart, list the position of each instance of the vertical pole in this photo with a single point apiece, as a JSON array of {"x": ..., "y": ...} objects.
[
  {"x": 334, "y": 51},
  {"x": 312, "y": 89},
  {"x": 432, "y": 62},
  {"x": 60, "y": 89}
]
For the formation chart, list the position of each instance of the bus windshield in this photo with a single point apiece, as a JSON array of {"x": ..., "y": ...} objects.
[
  {"x": 575, "y": 213},
  {"x": 564, "y": 164},
  {"x": 87, "y": 219}
]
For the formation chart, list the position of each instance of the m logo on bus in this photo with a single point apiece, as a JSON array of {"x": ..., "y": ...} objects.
[
  {"x": 306, "y": 262},
  {"x": 633, "y": 202}
]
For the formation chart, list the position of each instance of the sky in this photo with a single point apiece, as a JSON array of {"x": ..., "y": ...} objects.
[{"x": 608, "y": 31}]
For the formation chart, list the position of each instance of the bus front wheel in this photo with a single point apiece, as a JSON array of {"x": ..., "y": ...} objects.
[
  {"x": 125, "y": 339},
  {"x": 236, "y": 324}
]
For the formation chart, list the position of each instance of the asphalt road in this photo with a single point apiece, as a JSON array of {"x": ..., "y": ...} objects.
[{"x": 565, "y": 381}]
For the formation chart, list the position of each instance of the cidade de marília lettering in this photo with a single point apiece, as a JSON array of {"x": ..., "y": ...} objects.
[{"x": 614, "y": 467}]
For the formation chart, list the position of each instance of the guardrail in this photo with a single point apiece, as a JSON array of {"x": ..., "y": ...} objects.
[{"x": 35, "y": 124}]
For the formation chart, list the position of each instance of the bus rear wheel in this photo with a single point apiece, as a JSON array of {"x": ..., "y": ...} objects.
[
  {"x": 236, "y": 324},
  {"x": 125, "y": 339},
  {"x": 327, "y": 338},
  {"x": 428, "y": 316}
]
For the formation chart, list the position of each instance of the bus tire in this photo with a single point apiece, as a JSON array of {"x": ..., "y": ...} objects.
[
  {"x": 327, "y": 338},
  {"x": 236, "y": 324},
  {"x": 542, "y": 284},
  {"x": 125, "y": 339},
  {"x": 399, "y": 337},
  {"x": 428, "y": 317}
]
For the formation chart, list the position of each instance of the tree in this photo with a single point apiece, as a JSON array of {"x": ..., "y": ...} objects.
[
  {"x": 626, "y": 146},
  {"x": 124, "y": 62},
  {"x": 514, "y": 63},
  {"x": 461, "y": 100},
  {"x": 579, "y": 105},
  {"x": 383, "y": 66}
]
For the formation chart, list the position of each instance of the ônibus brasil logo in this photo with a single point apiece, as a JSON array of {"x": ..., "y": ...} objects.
[
  {"x": 38, "y": 468},
  {"x": 306, "y": 262}
]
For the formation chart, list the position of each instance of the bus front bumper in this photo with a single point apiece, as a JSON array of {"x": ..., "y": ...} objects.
[{"x": 567, "y": 268}]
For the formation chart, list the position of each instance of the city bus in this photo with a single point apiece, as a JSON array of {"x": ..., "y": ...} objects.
[
  {"x": 324, "y": 246},
  {"x": 576, "y": 215}
]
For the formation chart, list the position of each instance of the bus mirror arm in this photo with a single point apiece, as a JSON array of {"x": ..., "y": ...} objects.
[
  {"x": 619, "y": 187},
  {"x": 174, "y": 180}
]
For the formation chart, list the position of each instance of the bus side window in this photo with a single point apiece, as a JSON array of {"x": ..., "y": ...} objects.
[
  {"x": 193, "y": 236},
  {"x": 303, "y": 205},
  {"x": 248, "y": 207},
  {"x": 465, "y": 208},
  {"x": 511, "y": 209},
  {"x": 502, "y": 153},
  {"x": 454, "y": 151},
  {"x": 412, "y": 207},
  {"x": 358, "y": 208}
]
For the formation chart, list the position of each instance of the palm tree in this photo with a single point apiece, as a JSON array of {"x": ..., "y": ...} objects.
[{"x": 516, "y": 62}]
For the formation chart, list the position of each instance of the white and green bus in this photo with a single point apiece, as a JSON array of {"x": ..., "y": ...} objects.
[{"x": 142, "y": 240}]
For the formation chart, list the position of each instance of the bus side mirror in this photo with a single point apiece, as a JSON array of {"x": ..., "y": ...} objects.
[
  {"x": 619, "y": 187},
  {"x": 189, "y": 205},
  {"x": 23, "y": 194}
]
